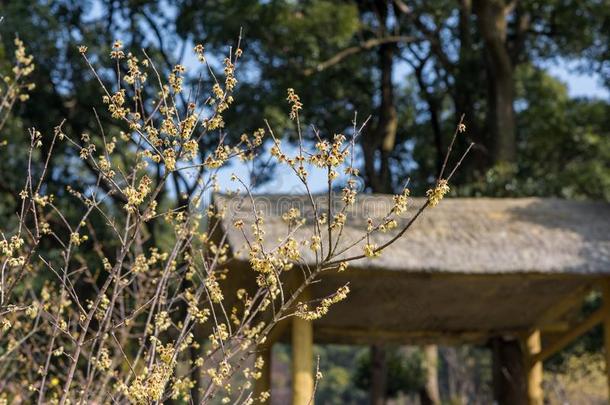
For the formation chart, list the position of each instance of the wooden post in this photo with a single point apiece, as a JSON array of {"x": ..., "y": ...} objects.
[
  {"x": 430, "y": 394},
  {"x": 533, "y": 368},
  {"x": 606, "y": 323},
  {"x": 263, "y": 384},
  {"x": 378, "y": 374},
  {"x": 574, "y": 332},
  {"x": 509, "y": 385},
  {"x": 302, "y": 361}
]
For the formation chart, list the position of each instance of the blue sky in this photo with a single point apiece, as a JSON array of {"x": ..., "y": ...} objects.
[{"x": 579, "y": 85}]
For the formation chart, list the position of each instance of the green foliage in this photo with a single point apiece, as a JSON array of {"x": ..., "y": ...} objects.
[
  {"x": 282, "y": 41},
  {"x": 562, "y": 142},
  {"x": 566, "y": 141},
  {"x": 338, "y": 364},
  {"x": 286, "y": 39},
  {"x": 404, "y": 372}
]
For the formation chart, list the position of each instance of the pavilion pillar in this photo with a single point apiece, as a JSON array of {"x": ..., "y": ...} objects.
[
  {"x": 533, "y": 368},
  {"x": 378, "y": 374},
  {"x": 262, "y": 386},
  {"x": 302, "y": 362},
  {"x": 606, "y": 323},
  {"x": 430, "y": 393},
  {"x": 509, "y": 381}
]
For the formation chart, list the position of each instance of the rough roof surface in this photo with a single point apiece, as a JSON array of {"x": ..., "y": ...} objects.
[{"x": 461, "y": 235}]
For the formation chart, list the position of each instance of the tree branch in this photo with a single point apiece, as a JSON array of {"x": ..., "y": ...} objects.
[{"x": 364, "y": 46}]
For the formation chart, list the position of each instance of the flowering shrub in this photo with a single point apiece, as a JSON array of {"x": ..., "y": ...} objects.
[
  {"x": 13, "y": 86},
  {"x": 122, "y": 299}
]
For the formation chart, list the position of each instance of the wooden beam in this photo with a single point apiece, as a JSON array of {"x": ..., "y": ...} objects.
[
  {"x": 302, "y": 362},
  {"x": 555, "y": 327},
  {"x": 568, "y": 337},
  {"x": 365, "y": 336},
  {"x": 532, "y": 346},
  {"x": 606, "y": 323},
  {"x": 550, "y": 317},
  {"x": 351, "y": 335}
]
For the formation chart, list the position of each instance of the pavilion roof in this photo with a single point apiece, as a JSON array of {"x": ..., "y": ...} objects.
[
  {"x": 468, "y": 269},
  {"x": 460, "y": 235}
]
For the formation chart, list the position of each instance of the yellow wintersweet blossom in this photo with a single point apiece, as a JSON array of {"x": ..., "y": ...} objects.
[
  {"x": 370, "y": 250},
  {"x": 136, "y": 196},
  {"x": 295, "y": 102},
  {"x": 436, "y": 194},
  {"x": 319, "y": 311}
]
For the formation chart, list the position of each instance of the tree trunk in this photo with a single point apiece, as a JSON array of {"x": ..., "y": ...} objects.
[
  {"x": 379, "y": 142},
  {"x": 492, "y": 23},
  {"x": 378, "y": 375},
  {"x": 434, "y": 106},
  {"x": 509, "y": 378},
  {"x": 469, "y": 69},
  {"x": 503, "y": 125}
]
